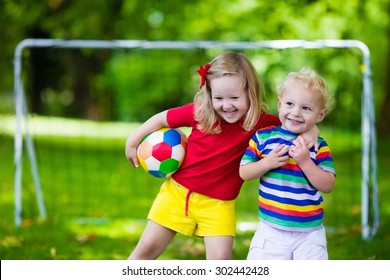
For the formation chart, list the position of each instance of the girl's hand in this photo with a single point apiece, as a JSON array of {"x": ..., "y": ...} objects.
[
  {"x": 311, "y": 137},
  {"x": 131, "y": 155},
  {"x": 157, "y": 121}
]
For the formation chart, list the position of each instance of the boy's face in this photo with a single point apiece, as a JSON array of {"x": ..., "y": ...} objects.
[
  {"x": 229, "y": 98},
  {"x": 299, "y": 108}
]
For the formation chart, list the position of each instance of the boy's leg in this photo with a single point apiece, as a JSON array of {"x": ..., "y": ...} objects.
[
  {"x": 311, "y": 246},
  {"x": 219, "y": 247},
  {"x": 270, "y": 244},
  {"x": 153, "y": 242}
]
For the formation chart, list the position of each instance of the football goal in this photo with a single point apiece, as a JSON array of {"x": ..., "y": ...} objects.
[{"x": 56, "y": 144}]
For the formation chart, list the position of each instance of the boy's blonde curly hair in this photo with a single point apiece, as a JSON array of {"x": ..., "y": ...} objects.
[{"x": 313, "y": 82}]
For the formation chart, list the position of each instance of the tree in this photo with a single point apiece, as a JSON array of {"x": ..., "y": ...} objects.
[
  {"x": 214, "y": 20},
  {"x": 384, "y": 113}
]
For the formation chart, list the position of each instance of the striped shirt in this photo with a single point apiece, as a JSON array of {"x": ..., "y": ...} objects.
[{"x": 287, "y": 200}]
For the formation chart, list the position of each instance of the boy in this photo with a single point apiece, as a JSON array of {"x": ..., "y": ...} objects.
[{"x": 291, "y": 176}]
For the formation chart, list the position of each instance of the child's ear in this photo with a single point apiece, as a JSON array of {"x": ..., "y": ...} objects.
[
  {"x": 279, "y": 102},
  {"x": 322, "y": 115}
]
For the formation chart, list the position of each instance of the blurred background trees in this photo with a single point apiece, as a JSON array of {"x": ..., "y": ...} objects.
[{"x": 94, "y": 77}]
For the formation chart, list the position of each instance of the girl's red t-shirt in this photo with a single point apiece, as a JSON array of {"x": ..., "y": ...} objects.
[{"x": 211, "y": 165}]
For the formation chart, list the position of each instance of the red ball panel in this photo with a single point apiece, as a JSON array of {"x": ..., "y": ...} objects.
[{"x": 162, "y": 151}]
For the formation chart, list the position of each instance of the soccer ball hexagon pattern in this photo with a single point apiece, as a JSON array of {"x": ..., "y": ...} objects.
[{"x": 162, "y": 152}]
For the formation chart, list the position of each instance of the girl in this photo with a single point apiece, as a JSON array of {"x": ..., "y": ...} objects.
[{"x": 199, "y": 197}]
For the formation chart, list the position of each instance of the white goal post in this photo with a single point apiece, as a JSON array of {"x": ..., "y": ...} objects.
[{"x": 369, "y": 182}]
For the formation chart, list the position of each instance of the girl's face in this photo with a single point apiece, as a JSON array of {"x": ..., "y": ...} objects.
[
  {"x": 299, "y": 108},
  {"x": 229, "y": 98}
]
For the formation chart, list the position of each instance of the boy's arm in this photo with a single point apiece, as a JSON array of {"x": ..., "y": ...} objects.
[
  {"x": 320, "y": 179},
  {"x": 276, "y": 158},
  {"x": 154, "y": 123}
]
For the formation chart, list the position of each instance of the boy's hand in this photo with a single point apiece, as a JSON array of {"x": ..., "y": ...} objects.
[
  {"x": 299, "y": 150},
  {"x": 277, "y": 157}
]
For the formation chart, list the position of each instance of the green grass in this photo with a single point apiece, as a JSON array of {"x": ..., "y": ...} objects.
[{"x": 97, "y": 204}]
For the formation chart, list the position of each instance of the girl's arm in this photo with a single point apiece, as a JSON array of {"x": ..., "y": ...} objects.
[
  {"x": 276, "y": 158},
  {"x": 154, "y": 123},
  {"x": 320, "y": 179}
]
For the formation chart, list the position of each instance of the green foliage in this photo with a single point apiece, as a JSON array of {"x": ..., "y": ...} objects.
[
  {"x": 145, "y": 86},
  {"x": 238, "y": 20}
]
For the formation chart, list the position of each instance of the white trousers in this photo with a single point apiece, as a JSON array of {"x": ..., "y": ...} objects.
[{"x": 269, "y": 243}]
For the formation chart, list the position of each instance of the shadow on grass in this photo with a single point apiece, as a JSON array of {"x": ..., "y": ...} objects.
[
  {"x": 90, "y": 240},
  {"x": 114, "y": 240}
]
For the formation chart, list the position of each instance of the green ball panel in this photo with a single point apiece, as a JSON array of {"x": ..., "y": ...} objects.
[{"x": 169, "y": 165}]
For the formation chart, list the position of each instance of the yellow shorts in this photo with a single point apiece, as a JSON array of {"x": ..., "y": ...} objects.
[{"x": 191, "y": 213}]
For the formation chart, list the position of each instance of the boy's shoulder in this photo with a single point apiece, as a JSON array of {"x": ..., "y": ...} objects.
[
  {"x": 321, "y": 142},
  {"x": 267, "y": 129},
  {"x": 266, "y": 132}
]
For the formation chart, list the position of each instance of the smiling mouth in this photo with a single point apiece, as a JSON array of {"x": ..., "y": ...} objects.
[
  {"x": 294, "y": 121},
  {"x": 230, "y": 113}
]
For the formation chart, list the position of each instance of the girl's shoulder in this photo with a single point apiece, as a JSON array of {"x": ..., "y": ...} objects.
[
  {"x": 266, "y": 120},
  {"x": 181, "y": 116}
]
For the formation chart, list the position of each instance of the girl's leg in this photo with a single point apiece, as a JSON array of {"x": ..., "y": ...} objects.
[
  {"x": 219, "y": 247},
  {"x": 153, "y": 242}
]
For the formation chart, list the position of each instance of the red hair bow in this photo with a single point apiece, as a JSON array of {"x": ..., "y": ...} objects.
[{"x": 202, "y": 72}]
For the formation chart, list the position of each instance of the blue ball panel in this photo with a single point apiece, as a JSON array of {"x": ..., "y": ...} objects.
[{"x": 172, "y": 137}]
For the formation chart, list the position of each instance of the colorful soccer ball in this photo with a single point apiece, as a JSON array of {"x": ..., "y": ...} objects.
[{"x": 162, "y": 152}]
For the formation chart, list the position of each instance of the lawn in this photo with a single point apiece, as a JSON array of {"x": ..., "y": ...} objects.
[{"x": 96, "y": 203}]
